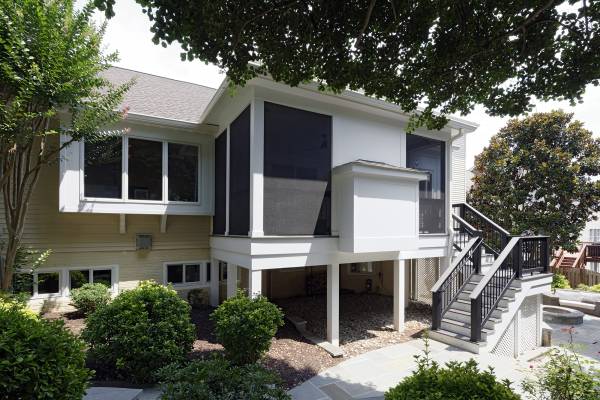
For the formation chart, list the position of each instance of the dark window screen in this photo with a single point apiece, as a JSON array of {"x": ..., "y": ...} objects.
[
  {"x": 220, "y": 177},
  {"x": 183, "y": 172},
  {"x": 297, "y": 170},
  {"x": 429, "y": 155},
  {"x": 239, "y": 174},
  {"x": 103, "y": 168},
  {"x": 145, "y": 169}
]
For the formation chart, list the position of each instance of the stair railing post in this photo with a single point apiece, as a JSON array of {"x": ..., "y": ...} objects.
[
  {"x": 476, "y": 319},
  {"x": 546, "y": 255},
  {"x": 477, "y": 255},
  {"x": 517, "y": 260},
  {"x": 436, "y": 318}
]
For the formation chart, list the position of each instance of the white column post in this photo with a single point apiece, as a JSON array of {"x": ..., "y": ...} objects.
[
  {"x": 399, "y": 301},
  {"x": 333, "y": 304},
  {"x": 231, "y": 280},
  {"x": 257, "y": 147},
  {"x": 214, "y": 282},
  {"x": 254, "y": 283}
]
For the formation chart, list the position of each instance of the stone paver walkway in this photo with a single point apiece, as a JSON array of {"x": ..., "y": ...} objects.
[
  {"x": 586, "y": 336},
  {"x": 370, "y": 375}
]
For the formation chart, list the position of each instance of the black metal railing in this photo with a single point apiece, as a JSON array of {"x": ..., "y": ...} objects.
[
  {"x": 494, "y": 236},
  {"x": 522, "y": 255},
  {"x": 463, "y": 232},
  {"x": 452, "y": 282}
]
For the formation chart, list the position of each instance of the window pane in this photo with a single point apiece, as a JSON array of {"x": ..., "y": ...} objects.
[
  {"x": 103, "y": 168},
  {"x": 429, "y": 155},
  {"x": 220, "y": 184},
  {"x": 78, "y": 277},
  {"x": 145, "y": 169},
  {"x": 297, "y": 172},
  {"x": 103, "y": 276},
  {"x": 192, "y": 273},
  {"x": 175, "y": 273},
  {"x": 48, "y": 282},
  {"x": 183, "y": 172},
  {"x": 239, "y": 174},
  {"x": 207, "y": 272}
]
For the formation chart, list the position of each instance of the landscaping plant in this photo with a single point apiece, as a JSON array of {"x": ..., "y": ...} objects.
[
  {"x": 140, "y": 331},
  {"x": 89, "y": 297},
  {"x": 245, "y": 327},
  {"x": 559, "y": 281},
  {"x": 456, "y": 381},
  {"x": 565, "y": 376},
  {"x": 594, "y": 288},
  {"x": 218, "y": 379},
  {"x": 39, "y": 359}
]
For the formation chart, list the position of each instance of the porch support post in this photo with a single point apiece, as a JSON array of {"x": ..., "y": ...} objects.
[
  {"x": 333, "y": 304},
  {"x": 255, "y": 283},
  {"x": 399, "y": 300},
  {"x": 214, "y": 282},
  {"x": 231, "y": 280}
]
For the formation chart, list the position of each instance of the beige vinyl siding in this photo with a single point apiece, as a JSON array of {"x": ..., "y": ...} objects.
[
  {"x": 80, "y": 239},
  {"x": 457, "y": 184}
]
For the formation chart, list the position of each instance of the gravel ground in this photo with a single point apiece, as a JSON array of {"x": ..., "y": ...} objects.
[
  {"x": 73, "y": 320},
  {"x": 366, "y": 320}
]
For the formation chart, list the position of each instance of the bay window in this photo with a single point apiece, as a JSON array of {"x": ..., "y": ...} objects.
[{"x": 155, "y": 170}]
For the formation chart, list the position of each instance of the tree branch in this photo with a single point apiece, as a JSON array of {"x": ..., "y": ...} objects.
[
  {"x": 531, "y": 18},
  {"x": 365, "y": 23}
]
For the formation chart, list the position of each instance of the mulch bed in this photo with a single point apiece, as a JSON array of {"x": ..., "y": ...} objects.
[{"x": 291, "y": 356}]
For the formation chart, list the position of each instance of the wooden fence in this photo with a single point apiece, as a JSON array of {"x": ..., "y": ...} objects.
[{"x": 578, "y": 276}]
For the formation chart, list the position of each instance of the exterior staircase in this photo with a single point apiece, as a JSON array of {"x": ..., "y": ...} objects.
[{"x": 490, "y": 275}]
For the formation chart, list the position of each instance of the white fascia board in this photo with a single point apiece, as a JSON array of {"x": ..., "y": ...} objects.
[{"x": 406, "y": 174}]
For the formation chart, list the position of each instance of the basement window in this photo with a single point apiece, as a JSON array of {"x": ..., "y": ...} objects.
[{"x": 189, "y": 273}]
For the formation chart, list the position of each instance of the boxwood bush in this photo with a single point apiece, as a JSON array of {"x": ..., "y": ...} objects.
[
  {"x": 456, "y": 381},
  {"x": 245, "y": 327},
  {"x": 140, "y": 331},
  {"x": 89, "y": 297},
  {"x": 218, "y": 379},
  {"x": 39, "y": 359}
]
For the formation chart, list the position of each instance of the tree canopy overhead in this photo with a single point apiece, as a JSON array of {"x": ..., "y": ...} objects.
[
  {"x": 446, "y": 55},
  {"x": 540, "y": 174}
]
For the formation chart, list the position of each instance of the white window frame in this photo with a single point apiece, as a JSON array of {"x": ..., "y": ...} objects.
[
  {"x": 64, "y": 279},
  {"x": 369, "y": 265},
  {"x": 125, "y": 173},
  {"x": 204, "y": 265}
]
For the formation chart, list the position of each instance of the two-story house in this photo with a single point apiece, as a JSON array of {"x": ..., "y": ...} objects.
[{"x": 282, "y": 191}]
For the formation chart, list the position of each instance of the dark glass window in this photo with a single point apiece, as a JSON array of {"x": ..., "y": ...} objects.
[
  {"x": 183, "y": 172},
  {"x": 429, "y": 155},
  {"x": 103, "y": 168},
  {"x": 220, "y": 183},
  {"x": 175, "y": 273},
  {"x": 78, "y": 277},
  {"x": 207, "y": 272},
  {"x": 48, "y": 283},
  {"x": 239, "y": 174},
  {"x": 297, "y": 172},
  {"x": 192, "y": 273},
  {"x": 145, "y": 169},
  {"x": 103, "y": 276}
]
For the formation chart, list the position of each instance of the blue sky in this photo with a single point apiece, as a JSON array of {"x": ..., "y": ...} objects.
[{"x": 129, "y": 34}]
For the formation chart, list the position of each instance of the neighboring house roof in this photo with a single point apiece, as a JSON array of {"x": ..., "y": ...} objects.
[{"x": 161, "y": 97}]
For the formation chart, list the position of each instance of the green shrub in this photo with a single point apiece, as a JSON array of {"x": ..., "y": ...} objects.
[
  {"x": 595, "y": 288},
  {"x": 245, "y": 327},
  {"x": 39, "y": 359},
  {"x": 198, "y": 297},
  {"x": 565, "y": 377},
  {"x": 140, "y": 331},
  {"x": 457, "y": 381},
  {"x": 217, "y": 379},
  {"x": 89, "y": 297},
  {"x": 559, "y": 281}
]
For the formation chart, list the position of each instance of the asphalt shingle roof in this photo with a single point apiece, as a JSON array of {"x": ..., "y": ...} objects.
[{"x": 162, "y": 97}]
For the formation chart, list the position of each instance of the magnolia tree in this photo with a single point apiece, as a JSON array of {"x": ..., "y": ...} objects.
[
  {"x": 50, "y": 60},
  {"x": 444, "y": 55},
  {"x": 540, "y": 173}
]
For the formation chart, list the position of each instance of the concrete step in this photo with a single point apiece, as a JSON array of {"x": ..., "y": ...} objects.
[
  {"x": 465, "y": 316},
  {"x": 456, "y": 340},
  {"x": 463, "y": 328}
]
